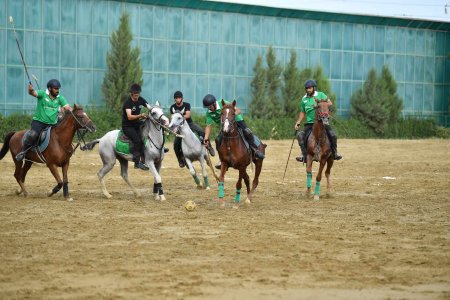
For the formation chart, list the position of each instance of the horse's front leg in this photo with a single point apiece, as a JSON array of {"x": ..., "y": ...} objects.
[
  {"x": 158, "y": 191},
  {"x": 318, "y": 179},
  {"x": 124, "y": 174},
  {"x": 247, "y": 184},
  {"x": 309, "y": 161},
  {"x": 237, "y": 196},
  {"x": 193, "y": 174},
  {"x": 330, "y": 162},
  {"x": 221, "y": 194},
  {"x": 18, "y": 174},
  {"x": 204, "y": 172},
  {"x": 54, "y": 170}
]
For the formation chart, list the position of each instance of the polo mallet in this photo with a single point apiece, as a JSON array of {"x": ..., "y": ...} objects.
[
  {"x": 289, "y": 156},
  {"x": 35, "y": 80},
  {"x": 208, "y": 162},
  {"x": 18, "y": 46}
]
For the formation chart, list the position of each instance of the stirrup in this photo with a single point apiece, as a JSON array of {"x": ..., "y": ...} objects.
[
  {"x": 21, "y": 155},
  {"x": 259, "y": 154},
  {"x": 218, "y": 165},
  {"x": 300, "y": 158},
  {"x": 337, "y": 156},
  {"x": 211, "y": 151},
  {"x": 141, "y": 166}
]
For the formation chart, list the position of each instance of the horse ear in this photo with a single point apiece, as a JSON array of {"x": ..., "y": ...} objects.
[
  {"x": 157, "y": 103},
  {"x": 223, "y": 102},
  {"x": 234, "y": 103}
]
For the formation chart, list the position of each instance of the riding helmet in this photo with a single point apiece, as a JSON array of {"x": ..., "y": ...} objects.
[
  {"x": 310, "y": 83},
  {"x": 209, "y": 100},
  {"x": 53, "y": 83},
  {"x": 135, "y": 88},
  {"x": 177, "y": 94}
]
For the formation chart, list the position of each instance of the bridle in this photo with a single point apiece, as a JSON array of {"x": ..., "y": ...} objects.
[
  {"x": 323, "y": 115},
  {"x": 81, "y": 131},
  {"x": 231, "y": 121},
  {"x": 158, "y": 125}
]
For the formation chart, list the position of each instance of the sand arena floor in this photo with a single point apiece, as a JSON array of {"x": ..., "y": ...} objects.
[{"x": 384, "y": 233}]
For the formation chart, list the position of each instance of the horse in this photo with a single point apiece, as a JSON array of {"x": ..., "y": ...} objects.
[
  {"x": 57, "y": 154},
  {"x": 233, "y": 152},
  {"x": 318, "y": 148},
  {"x": 152, "y": 130},
  {"x": 192, "y": 148}
]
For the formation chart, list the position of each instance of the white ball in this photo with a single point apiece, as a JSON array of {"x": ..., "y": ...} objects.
[{"x": 190, "y": 205}]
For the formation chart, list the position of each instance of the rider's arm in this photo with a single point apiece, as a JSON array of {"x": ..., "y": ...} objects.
[
  {"x": 133, "y": 117},
  {"x": 299, "y": 120},
  {"x": 67, "y": 107},
  {"x": 207, "y": 132},
  {"x": 31, "y": 91}
]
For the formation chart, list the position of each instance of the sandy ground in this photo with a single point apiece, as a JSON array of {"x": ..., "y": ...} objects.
[{"x": 383, "y": 234}]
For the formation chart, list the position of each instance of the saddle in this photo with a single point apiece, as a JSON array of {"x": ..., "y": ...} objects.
[
  {"x": 124, "y": 145},
  {"x": 42, "y": 142}
]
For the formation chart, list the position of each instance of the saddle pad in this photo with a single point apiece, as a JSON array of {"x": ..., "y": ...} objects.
[{"x": 123, "y": 143}]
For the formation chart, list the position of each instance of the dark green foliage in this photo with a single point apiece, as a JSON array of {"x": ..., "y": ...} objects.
[
  {"x": 14, "y": 122},
  {"x": 377, "y": 103},
  {"x": 273, "y": 74},
  {"x": 258, "y": 107},
  {"x": 292, "y": 90},
  {"x": 124, "y": 66}
]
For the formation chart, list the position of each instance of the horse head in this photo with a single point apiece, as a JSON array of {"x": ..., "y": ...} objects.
[
  {"x": 157, "y": 116},
  {"x": 323, "y": 111},
  {"x": 176, "y": 122},
  {"x": 82, "y": 119},
  {"x": 227, "y": 117}
]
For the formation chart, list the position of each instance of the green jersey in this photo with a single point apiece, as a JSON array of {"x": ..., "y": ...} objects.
[
  {"x": 47, "y": 108},
  {"x": 214, "y": 117},
  {"x": 307, "y": 105}
]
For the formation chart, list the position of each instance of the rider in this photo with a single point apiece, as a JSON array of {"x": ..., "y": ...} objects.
[
  {"x": 131, "y": 116},
  {"x": 213, "y": 116},
  {"x": 307, "y": 108},
  {"x": 48, "y": 103},
  {"x": 185, "y": 109}
]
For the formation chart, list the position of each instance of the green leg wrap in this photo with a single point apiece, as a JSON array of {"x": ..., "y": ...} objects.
[
  {"x": 206, "y": 181},
  {"x": 317, "y": 189},
  {"x": 197, "y": 181},
  {"x": 237, "y": 197},
  {"x": 308, "y": 180},
  {"x": 221, "y": 190}
]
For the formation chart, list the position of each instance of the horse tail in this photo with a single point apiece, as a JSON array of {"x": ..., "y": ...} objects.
[
  {"x": 90, "y": 146},
  {"x": 5, "y": 147}
]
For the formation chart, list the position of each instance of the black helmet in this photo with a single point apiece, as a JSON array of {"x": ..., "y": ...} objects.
[
  {"x": 53, "y": 83},
  {"x": 135, "y": 88},
  {"x": 310, "y": 83},
  {"x": 209, "y": 100},
  {"x": 177, "y": 94}
]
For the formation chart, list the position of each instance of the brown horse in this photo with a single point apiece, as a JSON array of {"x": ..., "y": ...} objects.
[
  {"x": 57, "y": 154},
  {"x": 319, "y": 148},
  {"x": 234, "y": 153}
]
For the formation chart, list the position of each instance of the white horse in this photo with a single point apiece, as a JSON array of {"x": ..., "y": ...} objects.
[
  {"x": 193, "y": 150},
  {"x": 153, "y": 150}
]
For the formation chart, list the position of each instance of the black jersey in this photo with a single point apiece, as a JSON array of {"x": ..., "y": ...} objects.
[
  {"x": 185, "y": 106},
  {"x": 135, "y": 110}
]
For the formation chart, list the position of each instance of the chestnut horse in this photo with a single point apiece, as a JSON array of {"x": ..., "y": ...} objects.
[
  {"x": 234, "y": 153},
  {"x": 318, "y": 148},
  {"x": 57, "y": 154}
]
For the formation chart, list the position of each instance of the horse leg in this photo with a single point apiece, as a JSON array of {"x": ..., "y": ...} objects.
[
  {"x": 54, "y": 170},
  {"x": 193, "y": 173},
  {"x": 258, "y": 168},
  {"x": 124, "y": 173},
  {"x": 309, "y": 161},
  {"x": 108, "y": 164},
  {"x": 318, "y": 179},
  {"x": 204, "y": 173},
  {"x": 66, "y": 194},
  {"x": 19, "y": 178},
  {"x": 157, "y": 187},
  {"x": 237, "y": 196},
  {"x": 330, "y": 162},
  {"x": 247, "y": 185},
  {"x": 221, "y": 185}
]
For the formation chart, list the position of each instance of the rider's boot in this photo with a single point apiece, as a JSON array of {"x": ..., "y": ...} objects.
[
  {"x": 137, "y": 161},
  {"x": 337, "y": 156},
  {"x": 251, "y": 140},
  {"x": 301, "y": 138},
  {"x": 27, "y": 143}
]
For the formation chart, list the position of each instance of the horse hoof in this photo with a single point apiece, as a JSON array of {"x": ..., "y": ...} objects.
[
  {"x": 49, "y": 194},
  {"x": 316, "y": 197},
  {"x": 70, "y": 199},
  {"x": 235, "y": 206},
  {"x": 18, "y": 192},
  {"x": 156, "y": 197},
  {"x": 247, "y": 202},
  {"x": 221, "y": 203},
  {"x": 207, "y": 188},
  {"x": 162, "y": 198},
  {"x": 199, "y": 187}
]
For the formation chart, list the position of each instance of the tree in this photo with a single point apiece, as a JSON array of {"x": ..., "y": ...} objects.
[
  {"x": 377, "y": 103},
  {"x": 273, "y": 74},
  {"x": 258, "y": 108},
  {"x": 292, "y": 90},
  {"x": 123, "y": 66}
]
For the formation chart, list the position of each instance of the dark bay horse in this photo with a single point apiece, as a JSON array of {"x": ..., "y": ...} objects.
[
  {"x": 319, "y": 148},
  {"x": 234, "y": 153},
  {"x": 57, "y": 154}
]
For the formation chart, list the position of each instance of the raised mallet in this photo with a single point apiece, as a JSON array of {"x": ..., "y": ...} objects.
[{"x": 18, "y": 46}]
